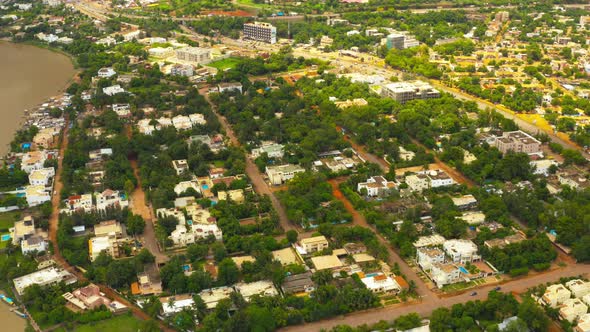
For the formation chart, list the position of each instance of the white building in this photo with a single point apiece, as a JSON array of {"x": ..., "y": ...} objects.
[
  {"x": 43, "y": 277},
  {"x": 224, "y": 87},
  {"x": 273, "y": 150},
  {"x": 403, "y": 92},
  {"x": 555, "y": 295},
  {"x": 110, "y": 198},
  {"x": 33, "y": 244},
  {"x": 542, "y": 166},
  {"x": 572, "y": 309},
  {"x": 213, "y": 295},
  {"x": 195, "y": 55},
  {"x": 445, "y": 274},
  {"x": 579, "y": 288},
  {"x": 381, "y": 283},
  {"x": 33, "y": 160},
  {"x": 376, "y": 186},
  {"x": 426, "y": 257},
  {"x": 106, "y": 72},
  {"x": 313, "y": 244},
  {"x": 37, "y": 195},
  {"x": 261, "y": 288},
  {"x": 278, "y": 175},
  {"x": 78, "y": 203},
  {"x": 183, "y": 236},
  {"x": 583, "y": 324},
  {"x": 22, "y": 229},
  {"x": 260, "y": 31},
  {"x": 197, "y": 119},
  {"x": 180, "y": 166},
  {"x": 41, "y": 177},
  {"x": 113, "y": 90},
  {"x": 182, "y": 122},
  {"x": 461, "y": 251},
  {"x": 175, "y": 304},
  {"x": 428, "y": 179}
]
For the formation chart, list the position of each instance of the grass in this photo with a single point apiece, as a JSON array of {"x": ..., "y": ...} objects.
[
  {"x": 124, "y": 323},
  {"x": 224, "y": 64},
  {"x": 458, "y": 286},
  {"x": 7, "y": 219}
]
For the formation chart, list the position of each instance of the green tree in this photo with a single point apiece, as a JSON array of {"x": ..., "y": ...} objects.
[
  {"x": 292, "y": 236},
  {"x": 228, "y": 272}
]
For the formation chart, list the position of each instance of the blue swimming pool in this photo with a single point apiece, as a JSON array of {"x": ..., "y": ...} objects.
[
  {"x": 186, "y": 267},
  {"x": 21, "y": 195},
  {"x": 462, "y": 269},
  {"x": 189, "y": 222},
  {"x": 371, "y": 275},
  {"x": 5, "y": 237},
  {"x": 205, "y": 186}
]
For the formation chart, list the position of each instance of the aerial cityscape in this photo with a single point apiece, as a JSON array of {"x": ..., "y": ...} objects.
[{"x": 262, "y": 165}]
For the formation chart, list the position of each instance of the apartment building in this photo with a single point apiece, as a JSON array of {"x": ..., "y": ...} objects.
[
  {"x": 403, "y": 92},
  {"x": 314, "y": 244},
  {"x": 518, "y": 141},
  {"x": 260, "y": 31}
]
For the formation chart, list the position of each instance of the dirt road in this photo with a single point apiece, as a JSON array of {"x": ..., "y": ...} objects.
[
  {"x": 255, "y": 176},
  {"x": 57, "y": 256},
  {"x": 359, "y": 219}
]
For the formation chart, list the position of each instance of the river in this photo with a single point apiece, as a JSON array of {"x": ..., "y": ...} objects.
[{"x": 30, "y": 75}]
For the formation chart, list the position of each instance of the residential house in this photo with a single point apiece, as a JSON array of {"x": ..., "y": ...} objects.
[
  {"x": 182, "y": 122},
  {"x": 272, "y": 150},
  {"x": 326, "y": 262},
  {"x": 555, "y": 295},
  {"x": 41, "y": 177},
  {"x": 286, "y": 256},
  {"x": 376, "y": 186},
  {"x": 113, "y": 90},
  {"x": 579, "y": 288},
  {"x": 213, "y": 295},
  {"x": 572, "y": 309},
  {"x": 86, "y": 298},
  {"x": 573, "y": 179},
  {"x": 148, "y": 281},
  {"x": 176, "y": 213},
  {"x": 354, "y": 248},
  {"x": 583, "y": 324},
  {"x": 298, "y": 283},
  {"x": 464, "y": 202},
  {"x": 36, "y": 195},
  {"x": 48, "y": 276},
  {"x": 180, "y": 166},
  {"x": 428, "y": 179},
  {"x": 543, "y": 166},
  {"x": 314, "y": 244},
  {"x": 176, "y": 303},
  {"x": 282, "y": 173},
  {"x": 106, "y": 72},
  {"x": 224, "y": 87},
  {"x": 77, "y": 203},
  {"x": 45, "y": 137},
  {"x": 239, "y": 260},
  {"x": 260, "y": 288},
  {"x": 445, "y": 274},
  {"x": 236, "y": 195},
  {"x": 381, "y": 283},
  {"x": 501, "y": 243},
  {"x": 426, "y": 257},
  {"x": 33, "y": 160},
  {"x": 461, "y": 251},
  {"x": 110, "y": 199},
  {"x": 33, "y": 244},
  {"x": 22, "y": 230}
]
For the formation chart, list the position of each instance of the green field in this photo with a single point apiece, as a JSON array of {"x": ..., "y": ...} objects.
[
  {"x": 124, "y": 323},
  {"x": 7, "y": 219},
  {"x": 224, "y": 63}
]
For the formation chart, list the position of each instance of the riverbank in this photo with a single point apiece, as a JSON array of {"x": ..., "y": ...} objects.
[
  {"x": 31, "y": 75},
  {"x": 10, "y": 321}
]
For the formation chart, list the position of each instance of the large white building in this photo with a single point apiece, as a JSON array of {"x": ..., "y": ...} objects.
[
  {"x": 48, "y": 276},
  {"x": 428, "y": 179},
  {"x": 195, "y": 55},
  {"x": 427, "y": 257},
  {"x": 405, "y": 91},
  {"x": 260, "y": 31},
  {"x": 555, "y": 295},
  {"x": 381, "y": 283},
  {"x": 376, "y": 186},
  {"x": 461, "y": 251},
  {"x": 445, "y": 274},
  {"x": 278, "y": 175},
  {"x": 110, "y": 198}
]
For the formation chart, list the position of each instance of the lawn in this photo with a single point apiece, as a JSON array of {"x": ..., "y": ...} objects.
[
  {"x": 124, "y": 323},
  {"x": 7, "y": 219},
  {"x": 224, "y": 64}
]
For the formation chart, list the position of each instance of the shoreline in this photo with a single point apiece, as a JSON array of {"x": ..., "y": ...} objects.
[{"x": 25, "y": 111}]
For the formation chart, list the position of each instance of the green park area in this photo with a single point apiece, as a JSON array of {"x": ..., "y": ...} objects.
[
  {"x": 225, "y": 64},
  {"x": 124, "y": 323}
]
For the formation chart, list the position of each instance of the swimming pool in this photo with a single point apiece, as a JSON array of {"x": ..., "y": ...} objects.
[
  {"x": 189, "y": 222},
  {"x": 462, "y": 269},
  {"x": 5, "y": 237},
  {"x": 371, "y": 275},
  {"x": 205, "y": 187},
  {"x": 186, "y": 267},
  {"x": 20, "y": 195}
]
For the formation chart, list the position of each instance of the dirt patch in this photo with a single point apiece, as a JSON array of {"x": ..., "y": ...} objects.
[{"x": 235, "y": 13}]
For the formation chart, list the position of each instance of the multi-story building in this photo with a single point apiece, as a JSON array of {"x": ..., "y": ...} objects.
[
  {"x": 272, "y": 150},
  {"x": 583, "y": 324},
  {"x": 196, "y": 55},
  {"x": 445, "y": 274},
  {"x": 260, "y": 31},
  {"x": 314, "y": 244},
  {"x": 518, "y": 141},
  {"x": 555, "y": 295},
  {"x": 41, "y": 177},
  {"x": 461, "y": 251},
  {"x": 427, "y": 257},
  {"x": 376, "y": 186},
  {"x": 403, "y": 92},
  {"x": 48, "y": 276},
  {"x": 282, "y": 173},
  {"x": 579, "y": 288},
  {"x": 182, "y": 70},
  {"x": 110, "y": 198},
  {"x": 572, "y": 309}
]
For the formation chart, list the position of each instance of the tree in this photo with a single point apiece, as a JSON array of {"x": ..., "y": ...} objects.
[
  {"x": 129, "y": 187},
  {"x": 581, "y": 249},
  {"x": 533, "y": 315},
  {"x": 135, "y": 224},
  {"x": 228, "y": 272},
  {"x": 292, "y": 236}
]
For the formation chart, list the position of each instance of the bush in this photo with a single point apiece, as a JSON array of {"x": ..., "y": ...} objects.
[
  {"x": 519, "y": 272},
  {"x": 541, "y": 266}
]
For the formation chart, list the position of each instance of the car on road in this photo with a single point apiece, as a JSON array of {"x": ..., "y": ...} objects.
[
  {"x": 497, "y": 288},
  {"x": 474, "y": 293}
]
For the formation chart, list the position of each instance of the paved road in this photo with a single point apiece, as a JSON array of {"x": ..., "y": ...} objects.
[
  {"x": 256, "y": 178},
  {"x": 428, "y": 304}
]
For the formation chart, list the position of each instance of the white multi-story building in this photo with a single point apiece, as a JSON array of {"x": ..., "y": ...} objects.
[
  {"x": 445, "y": 274},
  {"x": 555, "y": 295},
  {"x": 579, "y": 288},
  {"x": 428, "y": 179},
  {"x": 195, "y": 55},
  {"x": 426, "y": 257},
  {"x": 461, "y": 251},
  {"x": 33, "y": 244},
  {"x": 278, "y": 175},
  {"x": 110, "y": 198},
  {"x": 518, "y": 141},
  {"x": 113, "y": 90},
  {"x": 314, "y": 244},
  {"x": 78, "y": 203},
  {"x": 33, "y": 160},
  {"x": 273, "y": 150},
  {"x": 376, "y": 186},
  {"x": 37, "y": 195},
  {"x": 106, "y": 72},
  {"x": 381, "y": 283},
  {"x": 572, "y": 309},
  {"x": 48, "y": 276},
  {"x": 260, "y": 31},
  {"x": 41, "y": 177},
  {"x": 403, "y": 92}
]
